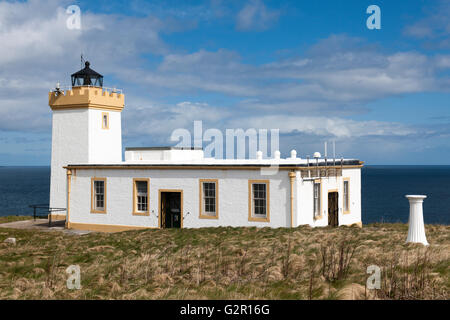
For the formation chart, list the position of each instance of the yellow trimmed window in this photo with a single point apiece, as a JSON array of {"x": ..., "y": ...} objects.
[
  {"x": 105, "y": 120},
  {"x": 317, "y": 208},
  {"x": 259, "y": 195},
  {"x": 346, "y": 195},
  {"x": 98, "y": 197},
  {"x": 141, "y": 188},
  {"x": 209, "y": 198}
]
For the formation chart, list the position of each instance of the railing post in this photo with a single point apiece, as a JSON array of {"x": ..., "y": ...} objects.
[{"x": 34, "y": 213}]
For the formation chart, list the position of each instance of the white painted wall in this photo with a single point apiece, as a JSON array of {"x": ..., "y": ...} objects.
[
  {"x": 305, "y": 202},
  {"x": 233, "y": 197},
  {"x": 69, "y": 145},
  {"x": 78, "y": 137},
  {"x": 105, "y": 145},
  {"x": 355, "y": 197}
]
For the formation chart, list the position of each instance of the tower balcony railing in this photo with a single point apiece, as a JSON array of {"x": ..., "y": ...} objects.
[{"x": 69, "y": 87}]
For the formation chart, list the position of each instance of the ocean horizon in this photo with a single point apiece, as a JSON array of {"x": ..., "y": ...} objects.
[{"x": 383, "y": 190}]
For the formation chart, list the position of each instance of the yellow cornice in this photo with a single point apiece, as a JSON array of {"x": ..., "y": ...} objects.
[
  {"x": 86, "y": 97},
  {"x": 90, "y": 106}
]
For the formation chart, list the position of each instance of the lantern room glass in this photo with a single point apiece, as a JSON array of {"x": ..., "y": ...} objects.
[{"x": 87, "y": 77}]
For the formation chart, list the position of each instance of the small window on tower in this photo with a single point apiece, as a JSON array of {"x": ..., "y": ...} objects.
[{"x": 105, "y": 120}]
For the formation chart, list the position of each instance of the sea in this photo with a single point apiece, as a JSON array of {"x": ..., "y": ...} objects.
[{"x": 383, "y": 191}]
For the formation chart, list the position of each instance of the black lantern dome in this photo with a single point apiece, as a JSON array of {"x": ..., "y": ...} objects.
[{"x": 87, "y": 77}]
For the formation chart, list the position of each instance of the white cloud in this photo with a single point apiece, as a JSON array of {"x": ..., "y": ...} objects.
[
  {"x": 349, "y": 75},
  {"x": 381, "y": 141},
  {"x": 35, "y": 39},
  {"x": 159, "y": 120},
  {"x": 255, "y": 16},
  {"x": 325, "y": 126},
  {"x": 37, "y": 50},
  {"x": 443, "y": 61},
  {"x": 434, "y": 27}
]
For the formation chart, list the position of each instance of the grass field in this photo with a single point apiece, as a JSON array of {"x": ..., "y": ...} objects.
[{"x": 226, "y": 263}]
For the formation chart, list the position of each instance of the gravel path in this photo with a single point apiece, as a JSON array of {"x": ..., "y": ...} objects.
[{"x": 42, "y": 225}]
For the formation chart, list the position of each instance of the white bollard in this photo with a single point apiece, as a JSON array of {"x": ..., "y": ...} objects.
[{"x": 416, "y": 231}]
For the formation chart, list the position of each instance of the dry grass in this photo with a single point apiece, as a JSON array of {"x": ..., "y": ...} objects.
[
  {"x": 14, "y": 218},
  {"x": 227, "y": 263}
]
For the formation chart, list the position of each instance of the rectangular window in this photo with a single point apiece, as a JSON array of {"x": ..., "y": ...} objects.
[
  {"x": 346, "y": 195},
  {"x": 141, "y": 196},
  {"x": 317, "y": 208},
  {"x": 259, "y": 200},
  {"x": 105, "y": 120},
  {"x": 209, "y": 198},
  {"x": 98, "y": 200}
]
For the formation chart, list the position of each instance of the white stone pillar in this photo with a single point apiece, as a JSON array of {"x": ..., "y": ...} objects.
[{"x": 416, "y": 231}]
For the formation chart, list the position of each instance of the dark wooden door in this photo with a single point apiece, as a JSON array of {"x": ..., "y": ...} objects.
[
  {"x": 333, "y": 209},
  {"x": 170, "y": 210}
]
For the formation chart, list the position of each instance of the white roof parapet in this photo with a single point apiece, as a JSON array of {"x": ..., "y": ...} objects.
[
  {"x": 184, "y": 160},
  {"x": 259, "y": 155},
  {"x": 293, "y": 154},
  {"x": 163, "y": 154}
]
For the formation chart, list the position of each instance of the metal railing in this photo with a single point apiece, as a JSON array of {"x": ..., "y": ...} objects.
[
  {"x": 46, "y": 209},
  {"x": 69, "y": 87},
  {"x": 320, "y": 172}
]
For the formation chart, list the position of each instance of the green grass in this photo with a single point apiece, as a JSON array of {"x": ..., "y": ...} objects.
[{"x": 219, "y": 263}]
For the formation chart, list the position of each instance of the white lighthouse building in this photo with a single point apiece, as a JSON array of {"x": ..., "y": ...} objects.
[
  {"x": 168, "y": 187},
  {"x": 86, "y": 128}
]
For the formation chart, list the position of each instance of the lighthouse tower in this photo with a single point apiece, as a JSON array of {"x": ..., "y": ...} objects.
[{"x": 86, "y": 129}]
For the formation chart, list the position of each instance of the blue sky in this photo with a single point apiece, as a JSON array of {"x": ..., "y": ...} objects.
[{"x": 309, "y": 68}]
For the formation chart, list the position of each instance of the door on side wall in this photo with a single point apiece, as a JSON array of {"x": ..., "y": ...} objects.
[
  {"x": 171, "y": 212},
  {"x": 333, "y": 209}
]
